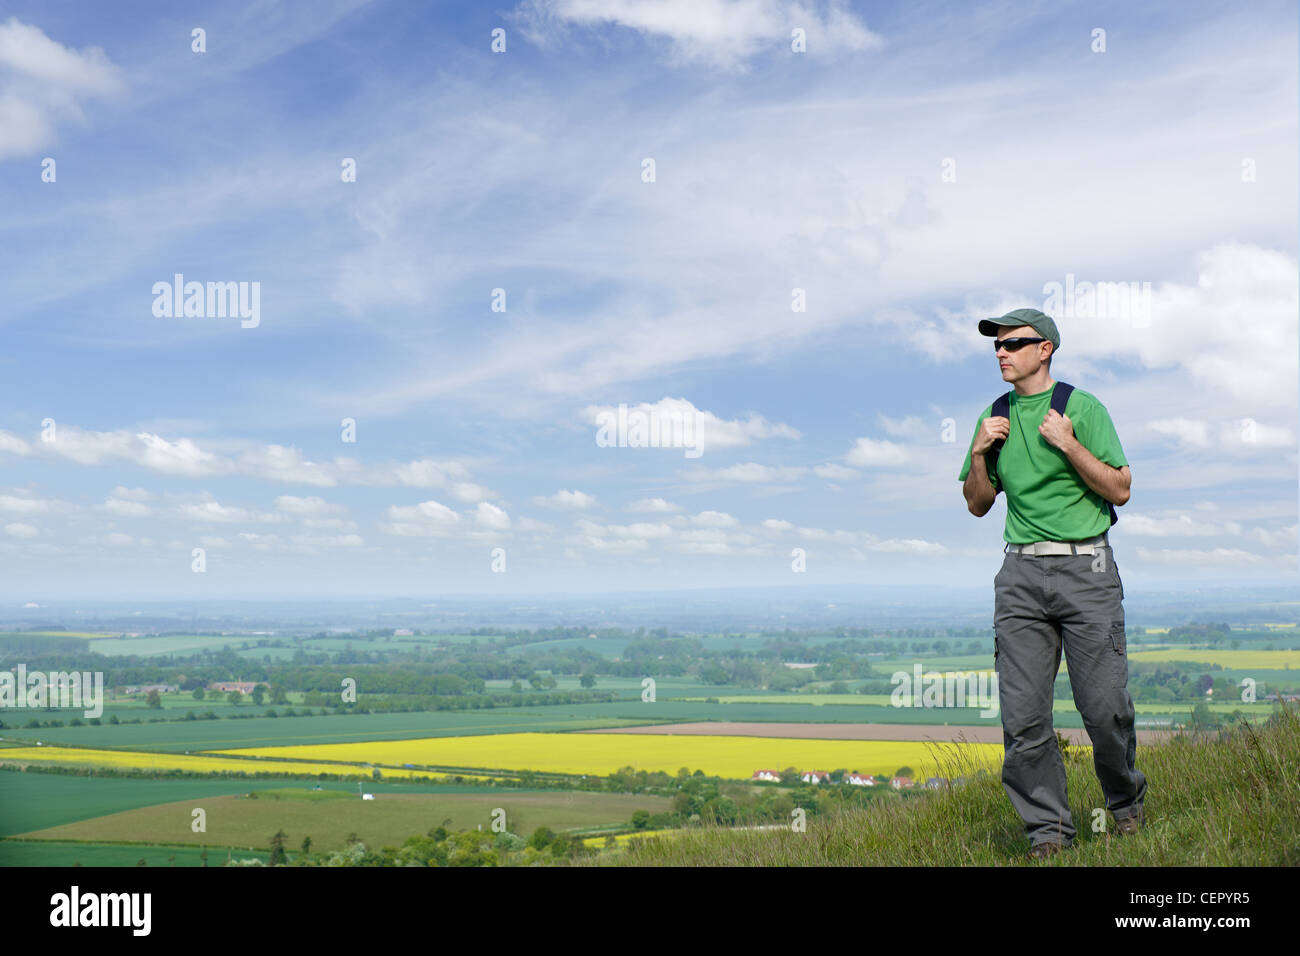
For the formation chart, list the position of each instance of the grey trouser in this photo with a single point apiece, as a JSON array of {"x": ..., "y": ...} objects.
[{"x": 1041, "y": 603}]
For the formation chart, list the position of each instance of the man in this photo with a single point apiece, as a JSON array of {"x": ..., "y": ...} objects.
[{"x": 1059, "y": 585}]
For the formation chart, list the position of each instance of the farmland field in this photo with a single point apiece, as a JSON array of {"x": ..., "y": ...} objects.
[
  {"x": 1279, "y": 660},
  {"x": 34, "y": 801},
  {"x": 601, "y": 754},
  {"x": 183, "y": 735},
  {"x": 198, "y": 763},
  {"x": 329, "y": 817}
]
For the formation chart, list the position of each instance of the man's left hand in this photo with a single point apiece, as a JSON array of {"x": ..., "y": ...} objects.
[{"x": 1058, "y": 431}]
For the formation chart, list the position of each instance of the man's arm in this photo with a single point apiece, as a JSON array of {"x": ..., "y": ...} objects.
[{"x": 978, "y": 489}]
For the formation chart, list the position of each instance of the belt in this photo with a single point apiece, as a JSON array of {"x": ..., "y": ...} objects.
[{"x": 1038, "y": 548}]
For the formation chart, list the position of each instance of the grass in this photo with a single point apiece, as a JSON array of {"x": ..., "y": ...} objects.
[{"x": 1231, "y": 799}]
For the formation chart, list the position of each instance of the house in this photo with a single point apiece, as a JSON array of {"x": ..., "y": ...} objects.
[
  {"x": 936, "y": 783},
  {"x": 367, "y": 796},
  {"x": 145, "y": 688},
  {"x": 226, "y": 686},
  {"x": 898, "y": 783},
  {"x": 403, "y": 632},
  {"x": 815, "y": 776},
  {"x": 771, "y": 775},
  {"x": 860, "y": 779}
]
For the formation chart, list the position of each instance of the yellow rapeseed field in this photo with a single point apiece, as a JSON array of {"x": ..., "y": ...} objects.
[
  {"x": 195, "y": 763},
  {"x": 602, "y": 754},
  {"x": 1237, "y": 660}
]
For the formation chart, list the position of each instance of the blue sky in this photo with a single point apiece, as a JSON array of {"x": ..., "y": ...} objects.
[{"x": 919, "y": 167}]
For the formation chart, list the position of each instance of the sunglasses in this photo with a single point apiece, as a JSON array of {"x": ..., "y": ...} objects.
[{"x": 1013, "y": 345}]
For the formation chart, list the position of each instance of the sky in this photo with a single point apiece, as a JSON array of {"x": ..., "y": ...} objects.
[{"x": 467, "y": 234}]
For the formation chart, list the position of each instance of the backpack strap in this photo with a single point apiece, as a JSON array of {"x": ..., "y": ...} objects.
[
  {"x": 1001, "y": 409},
  {"x": 1060, "y": 396}
]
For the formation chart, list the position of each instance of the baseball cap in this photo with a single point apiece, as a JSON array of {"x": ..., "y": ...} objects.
[{"x": 1040, "y": 323}]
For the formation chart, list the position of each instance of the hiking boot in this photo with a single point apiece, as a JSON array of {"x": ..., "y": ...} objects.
[
  {"x": 1041, "y": 851},
  {"x": 1126, "y": 826}
]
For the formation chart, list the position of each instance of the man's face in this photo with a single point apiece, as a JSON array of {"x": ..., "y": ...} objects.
[{"x": 1026, "y": 360}]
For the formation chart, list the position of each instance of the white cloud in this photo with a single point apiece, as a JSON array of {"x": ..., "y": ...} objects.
[
  {"x": 655, "y": 505},
  {"x": 869, "y": 453},
  {"x": 18, "y": 529},
  {"x": 1184, "y": 430},
  {"x": 1208, "y": 557},
  {"x": 46, "y": 84},
  {"x": 126, "y": 508},
  {"x": 677, "y": 423},
  {"x": 749, "y": 472},
  {"x": 306, "y": 507},
  {"x": 835, "y": 472},
  {"x": 215, "y": 512},
  {"x": 491, "y": 517},
  {"x": 133, "y": 494},
  {"x": 29, "y": 506},
  {"x": 715, "y": 519},
  {"x": 1172, "y": 524},
  {"x": 427, "y": 519},
  {"x": 566, "y": 499},
  {"x": 721, "y": 34}
]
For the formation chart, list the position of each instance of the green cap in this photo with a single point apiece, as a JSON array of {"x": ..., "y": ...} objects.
[{"x": 1040, "y": 323}]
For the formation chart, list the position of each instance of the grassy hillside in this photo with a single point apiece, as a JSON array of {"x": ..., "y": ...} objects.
[{"x": 1231, "y": 799}]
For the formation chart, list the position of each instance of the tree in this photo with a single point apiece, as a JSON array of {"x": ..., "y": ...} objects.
[
  {"x": 306, "y": 844},
  {"x": 278, "y": 856},
  {"x": 259, "y": 694},
  {"x": 1203, "y": 718},
  {"x": 640, "y": 819},
  {"x": 587, "y": 680},
  {"x": 153, "y": 699},
  {"x": 198, "y": 693},
  {"x": 278, "y": 694},
  {"x": 904, "y": 772}
]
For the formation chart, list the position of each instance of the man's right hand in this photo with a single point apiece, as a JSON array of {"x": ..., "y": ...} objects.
[{"x": 991, "y": 429}]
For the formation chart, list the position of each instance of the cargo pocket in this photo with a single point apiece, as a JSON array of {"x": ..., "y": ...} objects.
[{"x": 1120, "y": 653}]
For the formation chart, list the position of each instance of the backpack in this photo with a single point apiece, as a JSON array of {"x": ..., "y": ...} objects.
[{"x": 1002, "y": 409}]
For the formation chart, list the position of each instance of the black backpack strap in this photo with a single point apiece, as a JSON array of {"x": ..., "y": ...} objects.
[
  {"x": 1001, "y": 409},
  {"x": 1060, "y": 396}
]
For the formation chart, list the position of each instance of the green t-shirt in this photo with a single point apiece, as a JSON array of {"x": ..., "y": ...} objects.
[{"x": 1047, "y": 500}]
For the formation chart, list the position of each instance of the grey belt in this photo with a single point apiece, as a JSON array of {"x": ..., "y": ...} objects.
[{"x": 1060, "y": 547}]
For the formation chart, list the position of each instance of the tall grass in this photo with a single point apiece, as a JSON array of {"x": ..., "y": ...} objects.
[{"x": 1230, "y": 798}]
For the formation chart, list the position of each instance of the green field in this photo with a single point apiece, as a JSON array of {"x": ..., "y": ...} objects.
[
  {"x": 188, "y": 735},
  {"x": 34, "y": 801},
  {"x": 43, "y": 853},
  {"x": 328, "y": 817}
]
